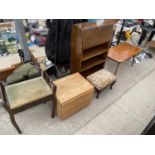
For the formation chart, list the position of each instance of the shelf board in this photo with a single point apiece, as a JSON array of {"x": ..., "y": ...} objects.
[
  {"x": 90, "y": 53},
  {"x": 91, "y": 63}
]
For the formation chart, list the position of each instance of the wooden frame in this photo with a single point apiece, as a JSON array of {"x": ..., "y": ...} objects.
[{"x": 12, "y": 112}]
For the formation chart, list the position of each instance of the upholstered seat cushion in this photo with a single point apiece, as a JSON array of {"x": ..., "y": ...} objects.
[
  {"x": 27, "y": 69},
  {"x": 27, "y": 91},
  {"x": 19, "y": 74},
  {"x": 101, "y": 78},
  {"x": 23, "y": 68},
  {"x": 14, "y": 78}
]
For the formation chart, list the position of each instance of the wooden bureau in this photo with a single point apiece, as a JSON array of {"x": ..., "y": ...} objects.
[{"x": 89, "y": 46}]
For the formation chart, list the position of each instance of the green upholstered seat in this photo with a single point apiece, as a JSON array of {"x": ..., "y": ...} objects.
[
  {"x": 23, "y": 72},
  {"x": 26, "y": 92}
]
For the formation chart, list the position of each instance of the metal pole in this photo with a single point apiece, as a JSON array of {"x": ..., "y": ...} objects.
[
  {"x": 22, "y": 39},
  {"x": 119, "y": 38}
]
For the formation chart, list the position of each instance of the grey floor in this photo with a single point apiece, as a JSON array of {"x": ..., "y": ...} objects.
[{"x": 124, "y": 110}]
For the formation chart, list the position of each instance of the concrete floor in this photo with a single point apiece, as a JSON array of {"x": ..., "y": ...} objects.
[{"x": 124, "y": 110}]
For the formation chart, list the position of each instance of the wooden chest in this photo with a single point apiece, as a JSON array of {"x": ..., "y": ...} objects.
[{"x": 74, "y": 92}]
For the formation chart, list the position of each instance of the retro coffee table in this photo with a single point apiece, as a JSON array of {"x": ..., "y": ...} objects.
[{"x": 122, "y": 52}]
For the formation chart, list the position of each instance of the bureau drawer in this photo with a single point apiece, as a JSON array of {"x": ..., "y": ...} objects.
[{"x": 96, "y": 36}]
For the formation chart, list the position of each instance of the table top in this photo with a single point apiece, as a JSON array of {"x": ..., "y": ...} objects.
[
  {"x": 122, "y": 52},
  {"x": 39, "y": 54},
  {"x": 9, "y": 60},
  {"x": 71, "y": 87},
  {"x": 14, "y": 59},
  {"x": 37, "y": 51}
]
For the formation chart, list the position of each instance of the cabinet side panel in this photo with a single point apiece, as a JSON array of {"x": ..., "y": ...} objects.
[{"x": 76, "y": 49}]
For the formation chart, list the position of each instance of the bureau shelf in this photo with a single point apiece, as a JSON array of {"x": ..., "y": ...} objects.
[
  {"x": 91, "y": 63},
  {"x": 95, "y": 51}
]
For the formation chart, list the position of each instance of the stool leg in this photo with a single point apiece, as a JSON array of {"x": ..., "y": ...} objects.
[
  {"x": 112, "y": 84},
  {"x": 98, "y": 93}
]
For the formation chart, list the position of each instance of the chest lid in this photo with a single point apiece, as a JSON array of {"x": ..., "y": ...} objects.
[{"x": 71, "y": 87}]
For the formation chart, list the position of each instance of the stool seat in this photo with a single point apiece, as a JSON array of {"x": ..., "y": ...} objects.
[
  {"x": 101, "y": 79},
  {"x": 27, "y": 91}
]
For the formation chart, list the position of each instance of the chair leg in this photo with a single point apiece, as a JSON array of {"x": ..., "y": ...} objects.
[
  {"x": 98, "y": 93},
  {"x": 112, "y": 84},
  {"x": 53, "y": 110},
  {"x": 12, "y": 117},
  {"x": 53, "y": 106}
]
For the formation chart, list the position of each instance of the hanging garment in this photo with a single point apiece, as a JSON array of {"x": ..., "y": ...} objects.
[{"x": 59, "y": 39}]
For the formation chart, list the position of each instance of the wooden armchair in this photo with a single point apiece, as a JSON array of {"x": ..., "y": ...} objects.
[{"x": 20, "y": 96}]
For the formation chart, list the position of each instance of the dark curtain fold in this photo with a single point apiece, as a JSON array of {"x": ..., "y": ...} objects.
[{"x": 59, "y": 39}]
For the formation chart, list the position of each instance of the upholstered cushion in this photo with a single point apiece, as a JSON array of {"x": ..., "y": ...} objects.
[
  {"x": 23, "y": 68},
  {"x": 27, "y": 91},
  {"x": 27, "y": 69},
  {"x": 101, "y": 78},
  {"x": 14, "y": 78},
  {"x": 33, "y": 72},
  {"x": 23, "y": 71}
]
